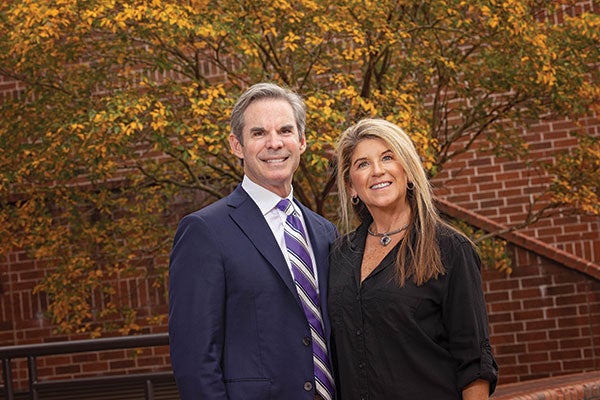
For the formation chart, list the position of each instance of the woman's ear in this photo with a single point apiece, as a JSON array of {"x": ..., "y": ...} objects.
[{"x": 351, "y": 190}]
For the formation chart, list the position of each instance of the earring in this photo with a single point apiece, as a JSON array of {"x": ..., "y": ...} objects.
[
  {"x": 410, "y": 185},
  {"x": 355, "y": 200}
]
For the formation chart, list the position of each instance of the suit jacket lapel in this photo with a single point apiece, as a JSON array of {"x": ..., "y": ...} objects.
[
  {"x": 246, "y": 214},
  {"x": 319, "y": 240}
]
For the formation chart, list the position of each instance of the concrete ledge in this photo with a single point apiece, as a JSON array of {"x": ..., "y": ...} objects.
[{"x": 584, "y": 386}]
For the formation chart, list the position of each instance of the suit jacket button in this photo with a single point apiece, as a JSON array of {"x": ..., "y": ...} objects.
[
  {"x": 308, "y": 386},
  {"x": 306, "y": 341}
]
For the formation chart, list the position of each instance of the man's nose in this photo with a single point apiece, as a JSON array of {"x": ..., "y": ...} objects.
[{"x": 273, "y": 140}]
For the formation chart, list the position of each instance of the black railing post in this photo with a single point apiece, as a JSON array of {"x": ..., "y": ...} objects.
[
  {"x": 149, "y": 390},
  {"x": 7, "y": 375},
  {"x": 32, "y": 368}
]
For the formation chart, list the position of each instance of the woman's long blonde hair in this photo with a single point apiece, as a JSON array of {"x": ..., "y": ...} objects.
[{"x": 419, "y": 254}]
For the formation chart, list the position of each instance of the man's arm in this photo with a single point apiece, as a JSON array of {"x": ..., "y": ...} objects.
[{"x": 196, "y": 311}]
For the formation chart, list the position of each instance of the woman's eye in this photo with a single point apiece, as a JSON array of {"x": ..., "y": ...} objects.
[{"x": 387, "y": 158}]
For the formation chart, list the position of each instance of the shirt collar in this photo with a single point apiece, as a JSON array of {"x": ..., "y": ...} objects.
[{"x": 264, "y": 199}]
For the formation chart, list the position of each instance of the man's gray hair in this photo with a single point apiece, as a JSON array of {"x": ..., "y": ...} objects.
[{"x": 261, "y": 91}]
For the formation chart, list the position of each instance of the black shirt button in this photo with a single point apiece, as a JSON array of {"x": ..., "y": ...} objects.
[
  {"x": 306, "y": 341},
  {"x": 361, "y": 365},
  {"x": 308, "y": 386},
  {"x": 358, "y": 332}
]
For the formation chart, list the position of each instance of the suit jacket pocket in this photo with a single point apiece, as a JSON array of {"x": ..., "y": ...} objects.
[{"x": 248, "y": 389}]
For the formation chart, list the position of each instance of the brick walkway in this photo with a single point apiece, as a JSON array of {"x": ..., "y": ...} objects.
[{"x": 585, "y": 386}]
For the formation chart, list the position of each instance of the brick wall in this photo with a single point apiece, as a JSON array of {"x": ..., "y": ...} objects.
[
  {"x": 502, "y": 189},
  {"x": 544, "y": 319},
  {"x": 23, "y": 321}
]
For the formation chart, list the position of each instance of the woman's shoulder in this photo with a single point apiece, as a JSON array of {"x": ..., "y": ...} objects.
[
  {"x": 446, "y": 235},
  {"x": 456, "y": 249}
]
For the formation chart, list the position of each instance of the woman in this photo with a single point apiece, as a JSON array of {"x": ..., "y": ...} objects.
[{"x": 405, "y": 298}]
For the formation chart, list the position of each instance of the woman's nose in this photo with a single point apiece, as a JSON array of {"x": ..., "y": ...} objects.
[{"x": 378, "y": 168}]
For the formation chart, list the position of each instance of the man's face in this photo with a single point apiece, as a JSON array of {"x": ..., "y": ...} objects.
[{"x": 272, "y": 146}]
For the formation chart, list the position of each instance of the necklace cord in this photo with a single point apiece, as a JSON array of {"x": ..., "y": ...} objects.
[{"x": 385, "y": 236}]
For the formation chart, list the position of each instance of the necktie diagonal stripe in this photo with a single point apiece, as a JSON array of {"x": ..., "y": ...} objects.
[{"x": 306, "y": 286}]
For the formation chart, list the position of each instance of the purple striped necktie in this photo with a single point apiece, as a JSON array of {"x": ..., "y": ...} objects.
[{"x": 302, "y": 269}]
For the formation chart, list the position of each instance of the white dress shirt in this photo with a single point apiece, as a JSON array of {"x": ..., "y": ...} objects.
[{"x": 267, "y": 202}]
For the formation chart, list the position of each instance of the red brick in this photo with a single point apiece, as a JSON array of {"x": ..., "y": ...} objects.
[
  {"x": 582, "y": 321},
  {"x": 561, "y": 312},
  {"x": 542, "y": 346},
  {"x": 67, "y": 369},
  {"x": 503, "y": 339},
  {"x": 529, "y": 315},
  {"x": 492, "y": 297},
  {"x": 504, "y": 285},
  {"x": 505, "y": 306},
  {"x": 121, "y": 364},
  {"x": 567, "y": 340},
  {"x": 536, "y": 281},
  {"x": 580, "y": 365},
  {"x": 530, "y": 357},
  {"x": 533, "y": 293},
  {"x": 507, "y": 327},
  {"x": 568, "y": 354},
  {"x": 95, "y": 367},
  {"x": 538, "y": 303},
  {"x": 540, "y": 325},
  {"x": 499, "y": 317},
  {"x": 547, "y": 367}
]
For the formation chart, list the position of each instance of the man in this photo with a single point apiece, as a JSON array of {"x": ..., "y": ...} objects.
[{"x": 240, "y": 323}]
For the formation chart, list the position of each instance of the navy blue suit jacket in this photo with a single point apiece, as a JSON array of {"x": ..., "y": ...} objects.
[{"x": 236, "y": 326}]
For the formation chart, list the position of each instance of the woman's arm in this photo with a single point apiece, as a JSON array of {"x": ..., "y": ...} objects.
[{"x": 476, "y": 390}]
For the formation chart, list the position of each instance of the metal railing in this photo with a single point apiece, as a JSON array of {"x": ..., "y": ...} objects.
[{"x": 32, "y": 351}]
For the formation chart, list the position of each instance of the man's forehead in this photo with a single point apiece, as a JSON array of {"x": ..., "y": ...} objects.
[{"x": 269, "y": 114}]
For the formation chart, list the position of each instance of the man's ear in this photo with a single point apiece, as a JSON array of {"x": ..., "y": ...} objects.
[
  {"x": 302, "y": 143},
  {"x": 236, "y": 146}
]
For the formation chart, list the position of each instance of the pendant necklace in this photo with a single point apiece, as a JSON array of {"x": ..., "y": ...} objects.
[{"x": 385, "y": 237}]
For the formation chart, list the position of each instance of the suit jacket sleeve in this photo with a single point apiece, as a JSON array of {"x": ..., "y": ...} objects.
[{"x": 196, "y": 311}]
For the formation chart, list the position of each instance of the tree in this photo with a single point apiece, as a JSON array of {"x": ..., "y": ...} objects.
[{"x": 124, "y": 108}]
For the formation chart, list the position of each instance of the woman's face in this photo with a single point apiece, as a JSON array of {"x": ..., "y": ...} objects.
[{"x": 376, "y": 176}]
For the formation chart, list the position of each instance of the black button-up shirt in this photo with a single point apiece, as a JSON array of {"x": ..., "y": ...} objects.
[{"x": 411, "y": 342}]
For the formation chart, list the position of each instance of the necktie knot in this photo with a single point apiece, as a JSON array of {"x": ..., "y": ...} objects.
[{"x": 285, "y": 205}]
